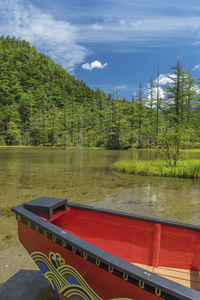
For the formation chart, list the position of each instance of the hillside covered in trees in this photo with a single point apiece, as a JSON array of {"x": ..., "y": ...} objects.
[{"x": 42, "y": 104}]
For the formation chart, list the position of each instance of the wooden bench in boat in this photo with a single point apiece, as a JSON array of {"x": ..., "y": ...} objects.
[{"x": 189, "y": 278}]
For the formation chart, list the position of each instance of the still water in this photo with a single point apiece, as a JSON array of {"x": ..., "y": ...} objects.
[{"x": 83, "y": 176}]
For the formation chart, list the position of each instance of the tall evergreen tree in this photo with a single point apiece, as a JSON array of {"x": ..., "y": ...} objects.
[
  {"x": 174, "y": 133},
  {"x": 141, "y": 115}
]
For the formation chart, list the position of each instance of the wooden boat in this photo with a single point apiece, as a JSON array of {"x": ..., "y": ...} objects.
[{"x": 94, "y": 254}]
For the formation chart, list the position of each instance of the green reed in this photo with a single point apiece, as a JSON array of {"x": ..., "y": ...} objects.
[{"x": 189, "y": 168}]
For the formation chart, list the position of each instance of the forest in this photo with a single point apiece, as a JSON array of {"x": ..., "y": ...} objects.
[{"x": 42, "y": 104}]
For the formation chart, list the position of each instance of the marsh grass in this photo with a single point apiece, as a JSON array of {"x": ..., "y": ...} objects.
[{"x": 189, "y": 168}]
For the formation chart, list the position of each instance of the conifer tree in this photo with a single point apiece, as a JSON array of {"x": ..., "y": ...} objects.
[{"x": 174, "y": 129}]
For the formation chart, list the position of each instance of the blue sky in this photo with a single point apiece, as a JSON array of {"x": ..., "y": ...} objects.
[{"x": 109, "y": 43}]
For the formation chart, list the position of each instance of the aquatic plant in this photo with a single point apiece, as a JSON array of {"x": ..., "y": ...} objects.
[{"x": 189, "y": 168}]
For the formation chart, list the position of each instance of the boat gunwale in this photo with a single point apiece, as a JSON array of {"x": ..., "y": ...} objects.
[
  {"x": 132, "y": 216},
  {"x": 168, "y": 287}
]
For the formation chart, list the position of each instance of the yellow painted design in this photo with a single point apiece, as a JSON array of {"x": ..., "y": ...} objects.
[
  {"x": 63, "y": 243},
  {"x": 84, "y": 255},
  {"x": 29, "y": 224},
  {"x": 74, "y": 249},
  {"x": 36, "y": 228},
  {"x": 110, "y": 269},
  {"x": 19, "y": 217},
  {"x": 53, "y": 238},
  {"x": 64, "y": 279},
  {"x": 141, "y": 284},
  {"x": 157, "y": 292},
  {"x": 97, "y": 262},
  {"x": 45, "y": 233},
  {"x": 125, "y": 276}
]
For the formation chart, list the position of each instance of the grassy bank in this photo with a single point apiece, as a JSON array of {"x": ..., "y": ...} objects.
[{"x": 189, "y": 168}]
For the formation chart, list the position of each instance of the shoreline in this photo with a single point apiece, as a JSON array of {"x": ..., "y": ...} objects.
[{"x": 193, "y": 150}]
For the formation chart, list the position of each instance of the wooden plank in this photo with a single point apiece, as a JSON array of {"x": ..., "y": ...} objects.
[{"x": 189, "y": 278}]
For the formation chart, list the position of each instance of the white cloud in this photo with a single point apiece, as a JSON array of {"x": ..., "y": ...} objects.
[
  {"x": 166, "y": 78},
  {"x": 120, "y": 87},
  {"x": 135, "y": 24},
  {"x": 142, "y": 31},
  {"x": 95, "y": 64},
  {"x": 160, "y": 92},
  {"x": 58, "y": 39},
  {"x": 122, "y": 22},
  {"x": 107, "y": 20},
  {"x": 197, "y": 67},
  {"x": 196, "y": 89},
  {"x": 96, "y": 26}
]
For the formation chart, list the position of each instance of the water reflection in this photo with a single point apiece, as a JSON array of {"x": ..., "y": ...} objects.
[{"x": 84, "y": 177}]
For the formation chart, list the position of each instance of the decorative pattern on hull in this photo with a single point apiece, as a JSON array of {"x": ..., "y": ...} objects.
[{"x": 64, "y": 279}]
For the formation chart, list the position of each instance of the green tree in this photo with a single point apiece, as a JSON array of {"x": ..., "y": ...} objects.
[
  {"x": 174, "y": 133},
  {"x": 141, "y": 111},
  {"x": 132, "y": 119},
  {"x": 152, "y": 125},
  {"x": 13, "y": 134}
]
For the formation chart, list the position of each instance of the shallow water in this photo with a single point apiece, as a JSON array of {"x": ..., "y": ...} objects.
[{"x": 84, "y": 177}]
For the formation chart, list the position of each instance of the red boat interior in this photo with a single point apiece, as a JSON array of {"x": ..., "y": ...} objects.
[{"x": 170, "y": 251}]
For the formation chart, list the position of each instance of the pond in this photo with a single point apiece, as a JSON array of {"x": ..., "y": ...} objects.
[{"x": 83, "y": 176}]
